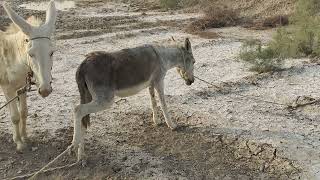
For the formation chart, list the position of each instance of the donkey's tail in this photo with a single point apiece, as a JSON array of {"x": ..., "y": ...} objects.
[{"x": 85, "y": 96}]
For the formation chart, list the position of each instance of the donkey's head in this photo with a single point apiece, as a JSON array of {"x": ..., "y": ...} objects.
[
  {"x": 39, "y": 46},
  {"x": 185, "y": 68}
]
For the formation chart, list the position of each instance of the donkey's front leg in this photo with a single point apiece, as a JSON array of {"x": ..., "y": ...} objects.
[
  {"x": 160, "y": 89},
  {"x": 23, "y": 108},
  {"x": 156, "y": 119},
  {"x": 15, "y": 118}
]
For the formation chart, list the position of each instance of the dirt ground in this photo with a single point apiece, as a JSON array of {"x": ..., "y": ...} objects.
[{"x": 233, "y": 134}]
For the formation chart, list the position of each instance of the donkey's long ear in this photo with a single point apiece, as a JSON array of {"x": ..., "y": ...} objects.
[
  {"x": 188, "y": 45},
  {"x": 18, "y": 20},
  {"x": 51, "y": 15}
]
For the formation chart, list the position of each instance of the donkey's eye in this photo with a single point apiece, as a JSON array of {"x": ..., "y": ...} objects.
[
  {"x": 27, "y": 40},
  {"x": 51, "y": 54}
]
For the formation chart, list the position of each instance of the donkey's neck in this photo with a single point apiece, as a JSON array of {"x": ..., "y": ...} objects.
[
  {"x": 171, "y": 57},
  {"x": 18, "y": 48}
]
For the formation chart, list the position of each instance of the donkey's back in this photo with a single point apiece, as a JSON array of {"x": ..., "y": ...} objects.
[{"x": 121, "y": 71}]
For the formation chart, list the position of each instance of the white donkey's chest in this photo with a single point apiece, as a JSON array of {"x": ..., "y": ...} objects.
[{"x": 14, "y": 75}]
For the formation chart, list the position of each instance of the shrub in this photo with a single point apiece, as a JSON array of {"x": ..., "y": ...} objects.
[
  {"x": 220, "y": 17},
  {"x": 300, "y": 39},
  {"x": 169, "y": 4},
  {"x": 215, "y": 17},
  {"x": 261, "y": 59}
]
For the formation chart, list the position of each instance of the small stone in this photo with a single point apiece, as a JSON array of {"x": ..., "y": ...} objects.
[
  {"x": 124, "y": 158},
  {"x": 54, "y": 144},
  {"x": 20, "y": 171},
  {"x": 34, "y": 149},
  {"x": 116, "y": 169}
]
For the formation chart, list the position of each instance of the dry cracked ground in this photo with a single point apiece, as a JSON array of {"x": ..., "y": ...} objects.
[{"x": 242, "y": 131}]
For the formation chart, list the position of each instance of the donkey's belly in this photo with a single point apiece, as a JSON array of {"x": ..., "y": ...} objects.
[{"x": 131, "y": 90}]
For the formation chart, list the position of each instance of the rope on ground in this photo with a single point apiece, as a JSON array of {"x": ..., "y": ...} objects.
[
  {"x": 35, "y": 174},
  {"x": 296, "y": 105},
  {"x": 250, "y": 97},
  {"x": 212, "y": 85},
  {"x": 51, "y": 162},
  {"x": 44, "y": 171}
]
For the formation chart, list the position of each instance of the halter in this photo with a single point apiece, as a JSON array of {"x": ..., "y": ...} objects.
[
  {"x": 39, "y": 38},
  {"x": 184, "y": 60}
]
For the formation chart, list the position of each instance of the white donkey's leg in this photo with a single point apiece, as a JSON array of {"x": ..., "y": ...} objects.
[
  {"x": 79, "y": 112},
  {"x": 23, "y": 108},
  {"x": 160, "y": 89},
  {"x": 15, "y": 117},
  {"x": 156, "y": 119}
]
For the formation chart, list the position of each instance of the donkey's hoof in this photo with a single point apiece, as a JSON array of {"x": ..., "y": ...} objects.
[
  {"x": 173, "y": 127},
  {"x": 21, "y": 147},
  {"x": 83, "y": 162},
  {"x": 157, "y": 122},
  {"x": 72, "y": 149},
  {"x": 25, "y": 139}
]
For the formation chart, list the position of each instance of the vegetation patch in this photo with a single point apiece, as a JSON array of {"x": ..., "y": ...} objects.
[
  {"x": 169, "y": 4},
  {"x": 269, "y": 22},
  {"x": 215, "y": 17},
  {"x": 263, "y": 59},
  {"x": 300, "y": 39}
]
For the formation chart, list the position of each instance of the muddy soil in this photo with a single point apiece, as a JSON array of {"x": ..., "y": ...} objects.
[{"x": 233, "y": 134}]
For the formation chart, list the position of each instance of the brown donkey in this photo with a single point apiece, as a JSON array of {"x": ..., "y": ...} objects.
[{"x": 102, "y": 76}]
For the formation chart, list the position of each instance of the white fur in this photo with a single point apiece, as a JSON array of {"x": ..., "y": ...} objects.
[{"x": 16, "y": 62}]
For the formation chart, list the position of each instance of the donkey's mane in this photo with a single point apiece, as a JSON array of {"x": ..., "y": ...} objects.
[
  {"x": 12, "y": 28},
  {"x": 169, "y": 44}
]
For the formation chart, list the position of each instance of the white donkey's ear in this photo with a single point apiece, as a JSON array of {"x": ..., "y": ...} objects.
[
  {"x": 51, "y": 16},
  {"x": 18, "y": 20}
]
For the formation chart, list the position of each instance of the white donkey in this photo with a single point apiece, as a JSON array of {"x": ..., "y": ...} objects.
[
  {"x": 25, "y": 48},
  {"x": 102, "y": 76}
]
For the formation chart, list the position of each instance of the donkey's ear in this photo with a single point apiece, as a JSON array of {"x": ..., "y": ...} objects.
[
  {"x": 51, "y": 15},
  {"x": 187, "y": 44},
  {"x": 18, "y": 20}
]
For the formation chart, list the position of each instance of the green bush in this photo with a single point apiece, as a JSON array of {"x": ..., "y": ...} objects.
[
  {"x": 262, "y": 59},
  {"x": 300, "y": 39},
  {"x": 169, "y": 4}
]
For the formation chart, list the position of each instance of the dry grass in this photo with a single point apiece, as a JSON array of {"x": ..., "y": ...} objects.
[
  {"x": 269, "y": 22},
  {"x": 215, "y": 17}
]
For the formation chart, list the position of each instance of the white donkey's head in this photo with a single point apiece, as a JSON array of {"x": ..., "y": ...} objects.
[{"x": 39, "y": 46}]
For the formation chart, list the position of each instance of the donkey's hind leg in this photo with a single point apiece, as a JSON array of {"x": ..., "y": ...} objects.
[
  {"x": 97, "y": 104},
  {"x": 160, "y": 89},
  {"x": 156, "y": 119}
]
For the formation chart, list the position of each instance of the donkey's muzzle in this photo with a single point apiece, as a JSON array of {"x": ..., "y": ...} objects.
[
  {"x": 189, "y": 82},
  {"x": 45, "y": 91}
]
